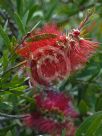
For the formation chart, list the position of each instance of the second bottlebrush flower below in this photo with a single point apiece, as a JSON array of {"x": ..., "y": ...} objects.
[
  {"x": 56, "y": 102},
  {"x": 53, "y": 113}
]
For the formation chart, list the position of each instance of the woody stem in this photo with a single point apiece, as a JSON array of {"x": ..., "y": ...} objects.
[{"x": 7, "y": 116}]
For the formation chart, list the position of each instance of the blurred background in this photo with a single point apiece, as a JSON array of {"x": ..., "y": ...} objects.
[{"x": 17, "y": 17}]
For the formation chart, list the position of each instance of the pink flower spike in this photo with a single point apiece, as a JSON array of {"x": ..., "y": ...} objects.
[
  {"x": 52, "y": 101},
  {"x": 49, "y": 126}
]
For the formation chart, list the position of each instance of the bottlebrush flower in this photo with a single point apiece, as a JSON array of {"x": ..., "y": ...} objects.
[
  {"x": 53, "y": 55},
  {"x": 54, "y": 113},
  {"x": 53, "y": 101},
  {"x": 49, "y": 126},
  {"x": 49, "y": 64},
  {"x": 80, "y": 52}
]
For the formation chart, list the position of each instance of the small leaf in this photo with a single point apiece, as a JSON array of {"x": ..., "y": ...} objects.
[
  {"x": 63, "y": 132},
  {"x": 9, "y": 133},
  {"x": 35, "y": 25},
  {"x": 5, "y": 106},
  {"x": 20, "y": 24},
  {"x": 83, "y": 107},
  {"x": 5, "y": 60},
  {"x": 5, "y": 37},
  {"x": 31, "y": 12},
  {"x": 6, "y": 24},
  {"x": 98, "y": 105},
  {"x": 51, "y": 10},
  {"x": 42, "y": 37},
  {"x": 20, "y": 6},
  {"x": 24, "y": 18},
  {"x": 91, "y": 126}
]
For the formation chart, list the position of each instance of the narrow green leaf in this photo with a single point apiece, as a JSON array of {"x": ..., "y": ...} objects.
[
  {"x": 5, "y": 25},
  {"x": 24, "y": 18},
  {"x": 90, "y": 126},
  {"x": 98, "y": 105},
  {"x": 51, "y": 10},
  {"x": 31, "y": 12},
  {"x": 5, "y": 60},
  {"x": 93, "y": 126},
  {"x": 20, "y": 6},
  {"x": 63, "y": 132},
  {"x": 35, "y": 25},
  {"x": 5, "y": 37},
  {"x": 20, "y": 23},
  {"x": 42, "y": 36}
]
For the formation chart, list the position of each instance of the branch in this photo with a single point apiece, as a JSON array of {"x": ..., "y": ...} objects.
[
  {"x": 4, "y": 116},
  {"x": 88, "y": 15}
]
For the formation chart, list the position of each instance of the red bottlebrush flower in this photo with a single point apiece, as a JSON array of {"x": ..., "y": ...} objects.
[
  {"x": 49, "y": 35},
  {"x": 53, "y": 114},
  {"x": 52, "y": 56},
  {"x": 48, "y": 62},
  {"x": 49, "y": 28},
  {"x": 52, "y": 101},
  {"x": 49, "y": 126},
  {"x": 80, "y": 52},
  {"x": 49, "y": 66}
]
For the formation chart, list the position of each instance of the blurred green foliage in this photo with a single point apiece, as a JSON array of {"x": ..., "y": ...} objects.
[{"x": 17, "y": 17}]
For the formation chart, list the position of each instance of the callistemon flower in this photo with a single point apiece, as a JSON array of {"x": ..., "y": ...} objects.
[
  {"x": 80, "y": 50},
  {"x": 53, "y": 101},
  {"x": 49, "y": 126},
  {"x": 54, "y": 113},
  {"x": 49, "y": 64},
  {"x": 52, "y": 55}
]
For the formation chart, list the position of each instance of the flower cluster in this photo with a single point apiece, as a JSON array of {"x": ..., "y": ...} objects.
[
  {"x": 52, "y": 56},
  {"x": 55, "y": 113}
]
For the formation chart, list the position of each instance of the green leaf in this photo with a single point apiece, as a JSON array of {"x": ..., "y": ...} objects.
[
  {"x": 63, "y": 132},
  {"x": 98, "y": 105},
  {"x": 5, "y": 60},
  {"x": 42, "y": 36},
  {"x": 20, "y": 23},
  {"x": 92, "y": 126},
  {"x": 5, "y": 25},
  {"x": 20, "y": 6},
  {"x": 83, "y": 107},
  {"x": 24, "y": 18},
  {"x": 9, "y": 133},
  {"x": 35, "y": 25},
  {"x": 31, "y": 12},
  {"x": 5, "y": 37},
  {"x": 6, "y": 129},
  {"x": 51, "y": 10},
  {"x": 5, "y": 106}
]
